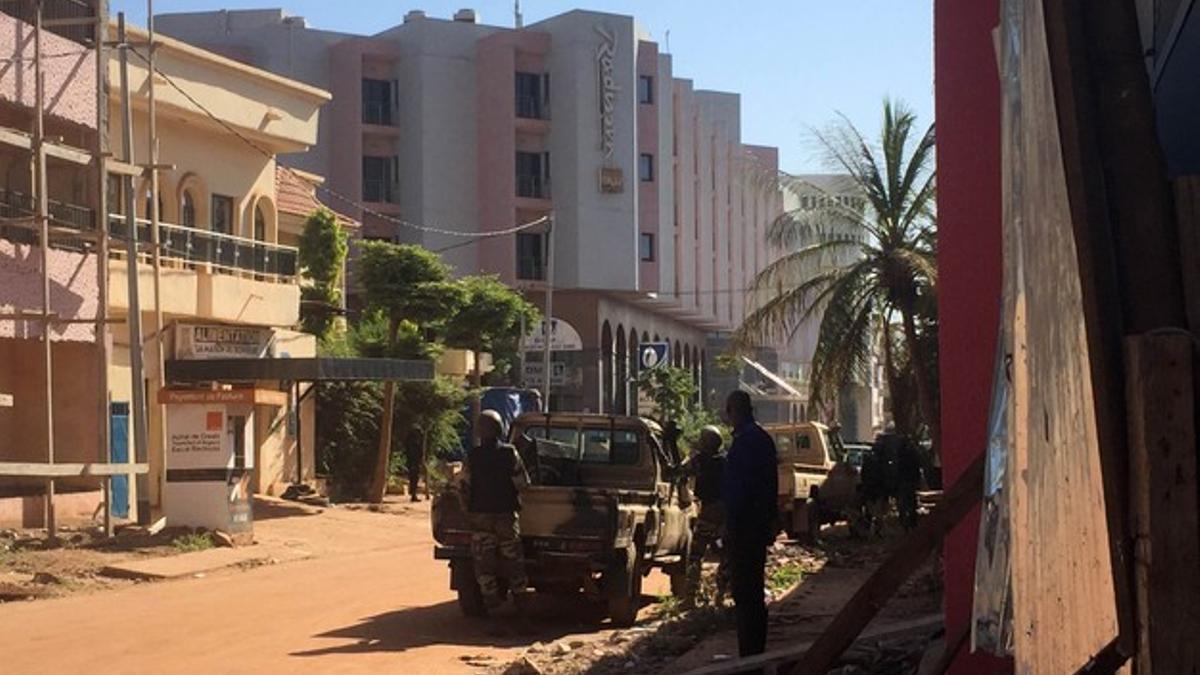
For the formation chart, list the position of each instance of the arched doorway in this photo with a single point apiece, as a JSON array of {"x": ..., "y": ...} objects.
[{"x": 606, "y": 368}]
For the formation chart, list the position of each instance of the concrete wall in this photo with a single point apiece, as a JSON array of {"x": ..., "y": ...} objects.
[{"x": 73, "y": 291}]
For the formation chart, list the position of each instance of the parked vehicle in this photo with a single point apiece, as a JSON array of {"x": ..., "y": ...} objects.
[
  {"x": 603, "y": 509},
  {"x": 815, "y": 486}
]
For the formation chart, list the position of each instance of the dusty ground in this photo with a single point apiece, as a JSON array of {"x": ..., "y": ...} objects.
[
  {"x": 372, "y": 599},
  {"x": 670, "y": 642}
]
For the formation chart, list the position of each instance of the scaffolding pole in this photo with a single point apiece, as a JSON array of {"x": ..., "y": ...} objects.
[
  {"x": 160, "y": 454},
  {"x": 138, "y": 409},
  {"x": 102, "y": 338},
  {"x": 43, "y": 219}
]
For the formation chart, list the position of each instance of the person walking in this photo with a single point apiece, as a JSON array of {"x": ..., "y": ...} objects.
[
  {"x": 414, "y": 462},
  {"x": 492, "y": 481},
  {"x": 908, "y": 481},
  {"x": 707, "y": 469},
  {"x": 751, "y": 513}
]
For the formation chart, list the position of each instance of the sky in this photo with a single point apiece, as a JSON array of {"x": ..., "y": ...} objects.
[{"x": 796, "y": 63}]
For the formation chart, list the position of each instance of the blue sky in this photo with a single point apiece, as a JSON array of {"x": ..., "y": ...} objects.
[{"x": 796, "y": 62}]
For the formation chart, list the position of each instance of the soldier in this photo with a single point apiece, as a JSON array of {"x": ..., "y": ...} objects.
[
  {"x": 707, "y": 467},
  {"x": 493, "y": 478}
]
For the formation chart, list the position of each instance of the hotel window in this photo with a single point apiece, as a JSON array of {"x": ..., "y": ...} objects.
[
  {"x": 222, "y": 214},
  {"x": 646, "y": 247},
  {"x": 645, "y": 89},
  {"x": 533, "y": 174},
  {"x": 378, "y": 179},
  {"x": 530, "y": 257},
  {"x": 646, "y": 167},
  {"x": 532, "y": 95},
  {"x": 377, "y": 102}
]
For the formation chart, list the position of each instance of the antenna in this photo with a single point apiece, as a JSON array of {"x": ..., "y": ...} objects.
[
  {"x": 667, "y": 40},
  {"x": 517, "y": 21}
]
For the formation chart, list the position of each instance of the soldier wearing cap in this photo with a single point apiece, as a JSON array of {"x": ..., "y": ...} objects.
[
  {"x": 493, "y": 478},
  {"x": 707, "y": 467}
]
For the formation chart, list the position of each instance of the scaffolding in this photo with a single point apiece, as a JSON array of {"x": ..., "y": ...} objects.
[{"x": 84, "y": 21}]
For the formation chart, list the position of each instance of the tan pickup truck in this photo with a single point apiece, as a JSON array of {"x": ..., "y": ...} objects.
[
  {"x": 815, "y": 487},
  {"x": 603, "y": 509}
]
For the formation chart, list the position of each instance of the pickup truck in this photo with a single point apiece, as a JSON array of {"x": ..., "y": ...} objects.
[
  {"x": 604, "y": 507},
  {"x": 814, "y": 486}
]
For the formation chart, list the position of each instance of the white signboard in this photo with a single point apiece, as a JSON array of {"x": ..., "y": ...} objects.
[
  {"x": 6, "y": 400},
  {"x": 196, "y": 437},
  {"x": 563, "y": 338},
  {"x": 221, "y": 342}
]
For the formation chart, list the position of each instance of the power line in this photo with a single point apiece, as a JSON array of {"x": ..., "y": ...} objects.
[{"x": 330, "y": 191}]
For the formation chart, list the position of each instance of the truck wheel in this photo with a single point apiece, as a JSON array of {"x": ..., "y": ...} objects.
[
  {"x": 470, "y": 598},
  {"x": 623, "y": 606}
]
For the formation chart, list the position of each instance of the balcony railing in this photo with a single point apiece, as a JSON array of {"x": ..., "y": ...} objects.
[
  {"x": 222, "y": 251},
  {"x": 15, "y": 204},
  {"x": 379, "y": 191},
  {"x": 378, "y": 113},
  {"x": 532, "y": 108},
  {"x": 533, "y": 186}
]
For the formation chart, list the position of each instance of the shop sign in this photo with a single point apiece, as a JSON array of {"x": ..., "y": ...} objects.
[
  {"x": 561, "y": 375},
  {"x": 563, "y": 337},
  {"x": 221, "y": 342}
]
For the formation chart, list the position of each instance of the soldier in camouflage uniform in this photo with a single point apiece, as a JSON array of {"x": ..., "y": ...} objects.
[
  {"x": 707, "y": 466},
  {"x": 493, "y": 478}
]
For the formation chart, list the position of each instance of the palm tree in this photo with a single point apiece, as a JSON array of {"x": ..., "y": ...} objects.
[{"x": 868, "y": 269}]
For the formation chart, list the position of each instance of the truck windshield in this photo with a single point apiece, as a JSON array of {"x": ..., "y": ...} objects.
[{"x": 591, "y": 446}]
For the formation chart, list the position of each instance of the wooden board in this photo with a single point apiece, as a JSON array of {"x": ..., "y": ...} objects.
[
  {"x": 1162, "y": 477},
  {"x": 45, "y": 470},
  {"x": 1064, "y": 610}
]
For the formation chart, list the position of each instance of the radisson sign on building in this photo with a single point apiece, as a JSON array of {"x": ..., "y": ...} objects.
[{"x": 611, "y": 179}]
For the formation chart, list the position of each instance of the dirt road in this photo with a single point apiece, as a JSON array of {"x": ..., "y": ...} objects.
[{"x": 372, "y": 600}]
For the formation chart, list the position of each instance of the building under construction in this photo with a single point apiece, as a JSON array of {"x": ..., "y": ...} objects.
[{"x": 99, "y": 118}]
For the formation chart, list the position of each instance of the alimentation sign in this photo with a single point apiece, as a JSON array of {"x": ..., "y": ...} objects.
[{"x": 221, "y": 342}]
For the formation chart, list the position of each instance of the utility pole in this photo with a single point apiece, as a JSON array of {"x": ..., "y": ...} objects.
[
  {"x": 43, "y": 223},
  {"x": 156, "y": 240},
  {"x": 549, "y": 318},
  {"x": 137, "y": 414}
]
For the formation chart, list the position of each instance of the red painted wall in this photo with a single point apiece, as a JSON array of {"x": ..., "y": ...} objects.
[{"x": 969, "y": 216}]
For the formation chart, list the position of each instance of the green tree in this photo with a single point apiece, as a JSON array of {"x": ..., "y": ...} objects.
[
  {"x": 412, "y": 288},
  {"x": 490, "y": 321},
  {"x": 323, "y": 249},
  {"x": 862, "y": 270},
  {"x": 675, "y": 396}
]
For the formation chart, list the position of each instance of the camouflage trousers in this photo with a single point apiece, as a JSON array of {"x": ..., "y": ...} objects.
[
  {"x": 496, "y": 553},
  {"x": 709, "y": 529}
]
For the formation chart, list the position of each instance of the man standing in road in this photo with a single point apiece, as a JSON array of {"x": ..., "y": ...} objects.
[
  {"x": 707, "y": 468},
  {"x": 751, "y": 511},
  {"x": 493, "y": 478}
]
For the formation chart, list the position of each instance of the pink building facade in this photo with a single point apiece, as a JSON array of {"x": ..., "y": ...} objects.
[{"x": 659, "y": 209}]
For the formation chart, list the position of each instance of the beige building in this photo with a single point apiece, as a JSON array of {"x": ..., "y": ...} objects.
[{"x": 223, "y": 260}]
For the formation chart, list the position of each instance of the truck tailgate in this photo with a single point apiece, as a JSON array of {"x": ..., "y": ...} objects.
[{"x": 566, "y": 518}]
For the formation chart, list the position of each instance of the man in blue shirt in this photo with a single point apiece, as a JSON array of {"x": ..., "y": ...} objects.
[{"x": 751, "y": 516}]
